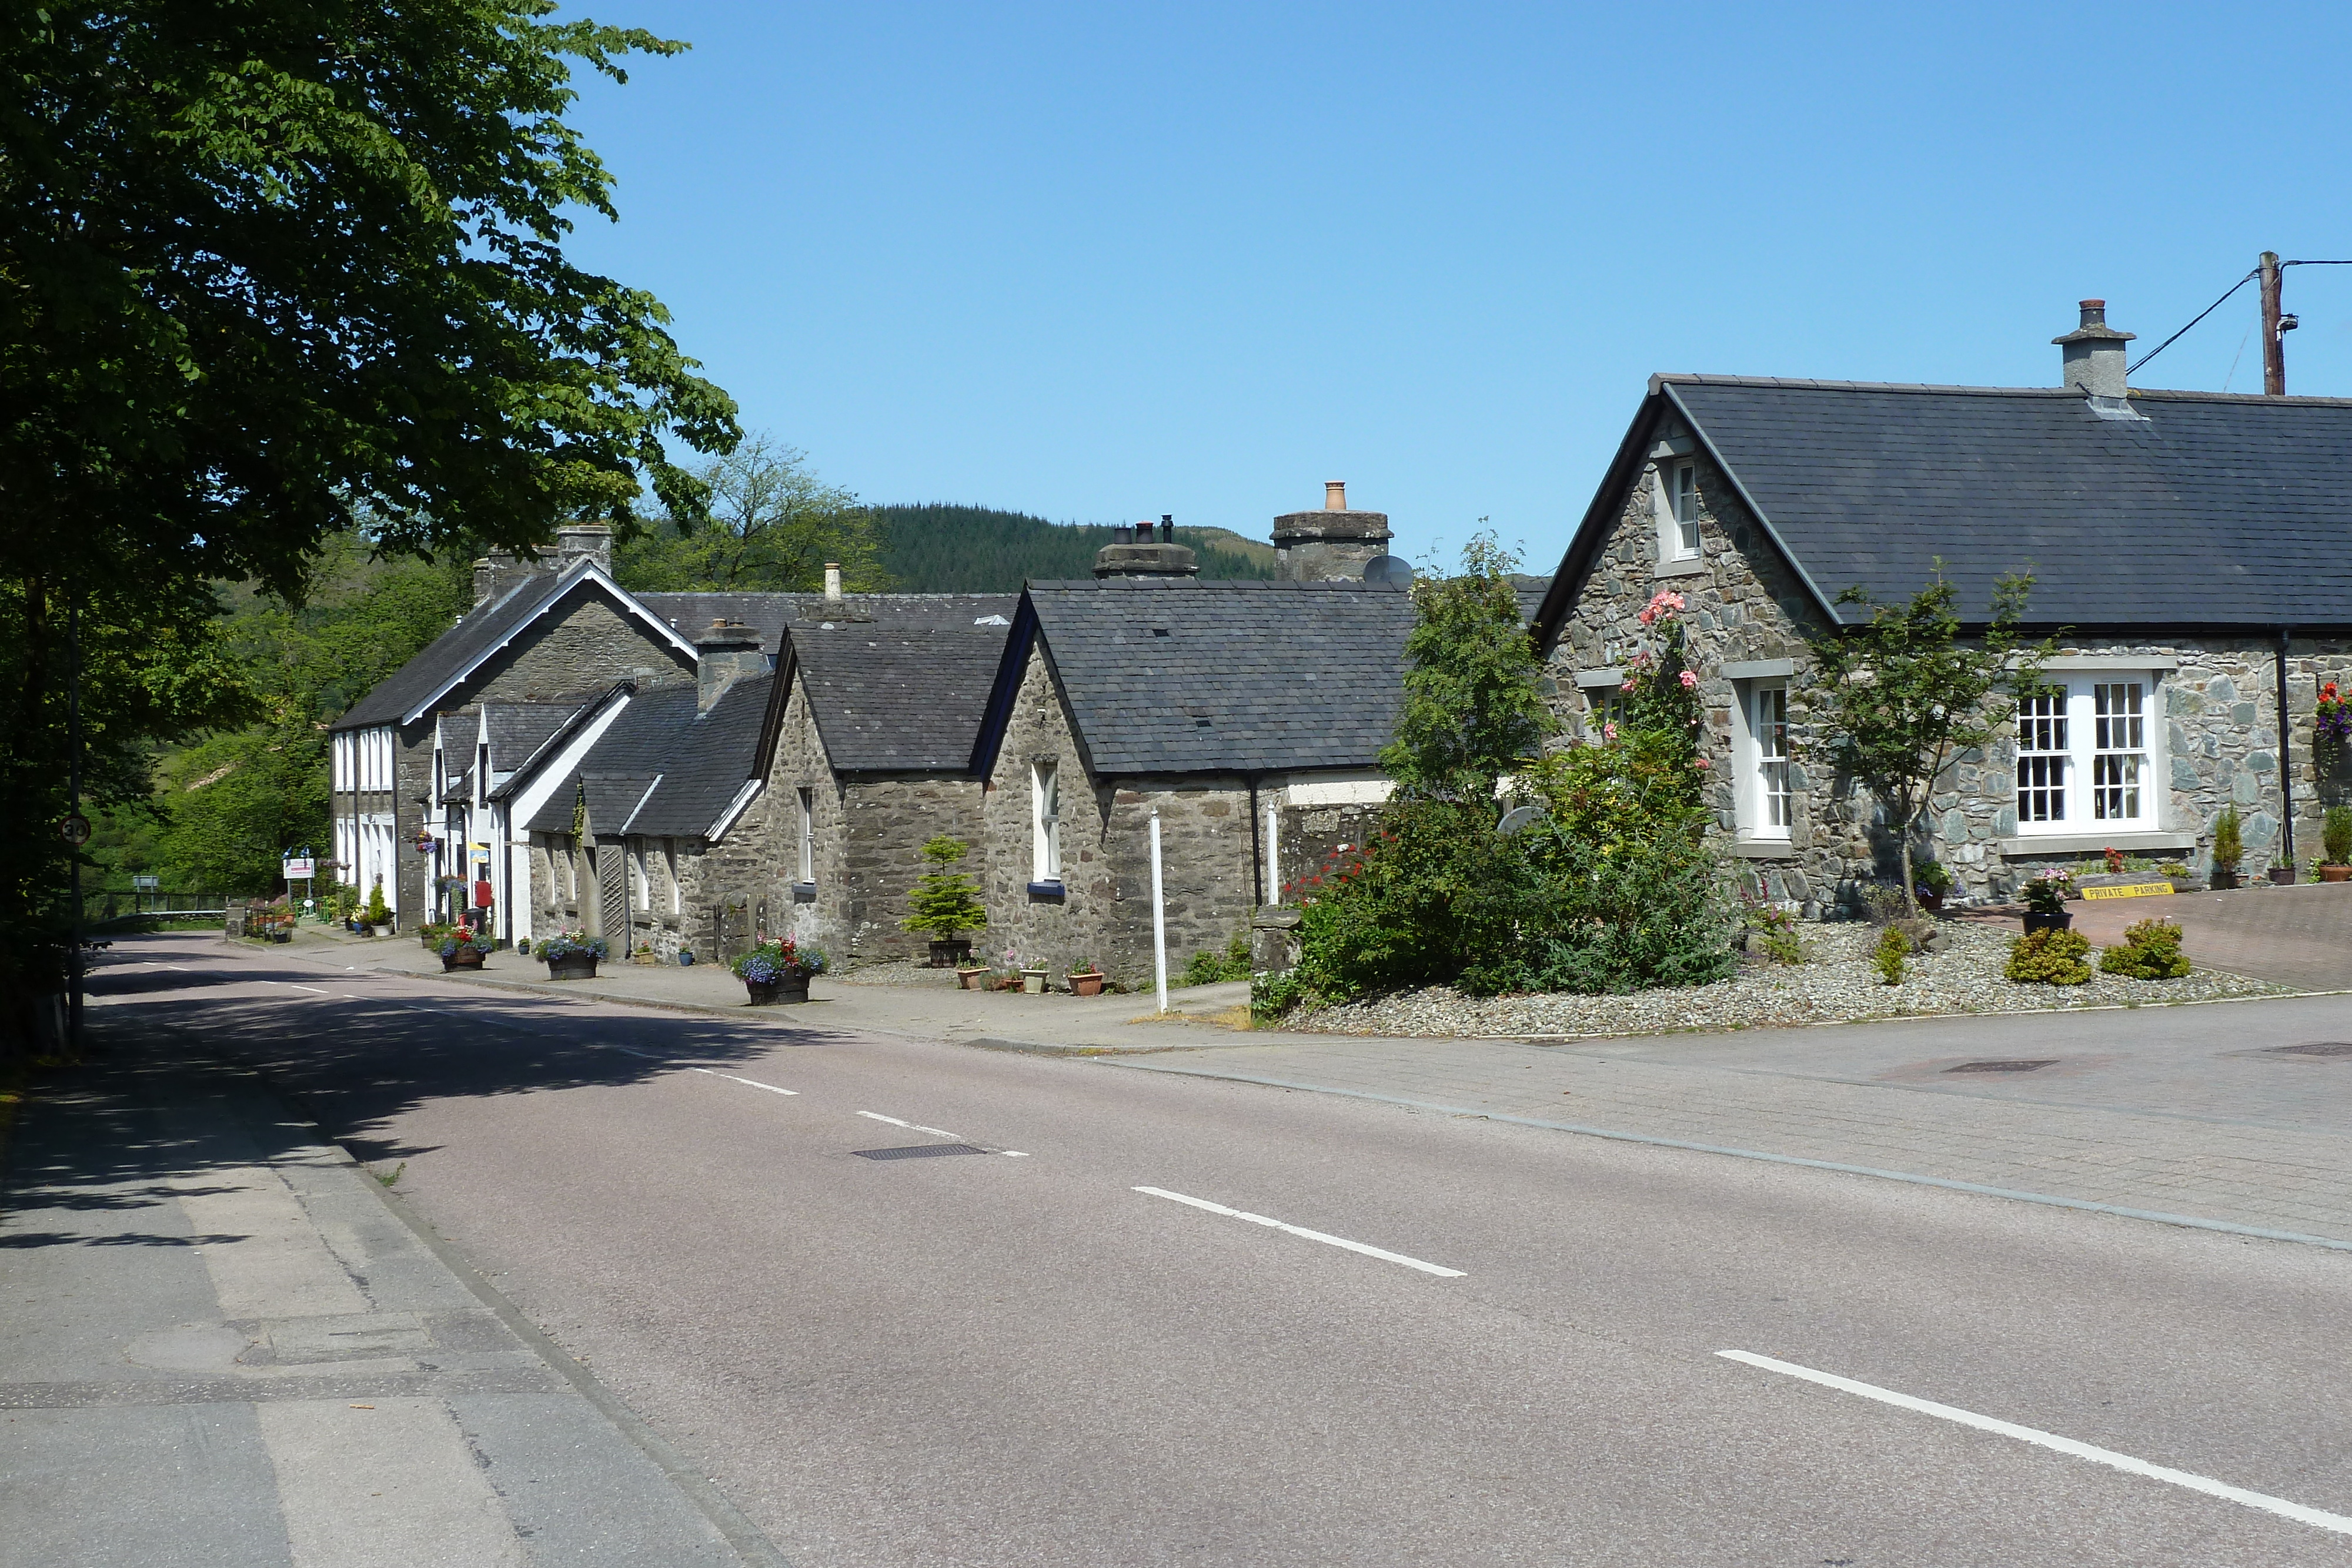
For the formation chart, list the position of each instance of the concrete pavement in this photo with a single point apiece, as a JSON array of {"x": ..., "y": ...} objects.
[
  {"x": 985, "y": 1359},
  {"x": 220, "y": 1346}
]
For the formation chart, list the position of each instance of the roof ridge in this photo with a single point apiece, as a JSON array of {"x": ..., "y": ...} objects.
[{"x": 2169, "y": 394}]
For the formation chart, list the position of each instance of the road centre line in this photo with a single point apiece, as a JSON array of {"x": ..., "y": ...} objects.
[
  {"x": 752, "y": 1082},
  {"x": 2068, "y": 1446},
  {"x": 1386, "y": 1257},
  {"x": 910, "y": 1126},
  {"x": 291, "y": 985}
]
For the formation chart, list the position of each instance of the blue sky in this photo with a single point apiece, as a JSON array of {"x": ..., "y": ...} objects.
[{"x": 1101, "y": 262}]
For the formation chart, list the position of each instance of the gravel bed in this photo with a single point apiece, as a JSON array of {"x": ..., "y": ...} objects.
[
  {"x": 1836, "y": 984},
  {"x": 896, "y": 972}
]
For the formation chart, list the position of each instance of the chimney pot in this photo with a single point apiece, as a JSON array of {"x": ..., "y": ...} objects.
[
  {"x": 1168, "y": 528},
  {"x": 1332, "y": 545},
  {"x": 1335, "y": 495},
  {"x": 833, "y": 579}
]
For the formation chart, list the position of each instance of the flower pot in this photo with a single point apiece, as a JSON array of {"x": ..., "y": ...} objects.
[
  {"x": 972, "y": 979},
  {"x": 2217, "y": 878},
  {"x": 950, "y": 955},
  {"x": 1033, "y": 982},
  {"x": 777, "y": 992},
  {"x": 2336, "y": 873},
  {"x": 1933, "y": 903},
  {"x": 2037, "y": 920},
  {"x": 573, "y": 966},
  {"x": 463, "y": 958},
  {"x": 2282, "y": 875},
  {"x": 1086, "y": 984},
  {"x": 686, "y": 957}
]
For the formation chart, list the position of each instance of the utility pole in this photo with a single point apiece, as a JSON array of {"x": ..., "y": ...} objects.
[
  {"x": 77, "y": 829},
  {"x": 2275, "y": 326}
]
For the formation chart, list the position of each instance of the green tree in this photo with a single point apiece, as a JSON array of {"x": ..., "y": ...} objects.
[
  {"x": 266, "y": 272},
  {"x": 1471, "y": 710},
  {"x": 772, "y": 527},
  {"x": 945, "y": 901},
  {"x": 1896, "y": 700}
]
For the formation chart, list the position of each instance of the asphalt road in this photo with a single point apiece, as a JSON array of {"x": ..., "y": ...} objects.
[{"x": 1018, "y": 1357}]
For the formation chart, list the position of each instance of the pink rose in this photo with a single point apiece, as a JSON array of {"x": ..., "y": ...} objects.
[
  {"x": 1689, "y": 681},
  {"x": 1607, "y": 732},
  {"x": 1703, "y": 762}
]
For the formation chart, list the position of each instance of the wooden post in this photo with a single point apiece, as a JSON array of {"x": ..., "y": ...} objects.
[{"x": 2273, "y": 339}]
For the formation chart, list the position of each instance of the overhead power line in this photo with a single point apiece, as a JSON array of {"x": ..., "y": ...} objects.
[{"x": 2200, "y": 317}]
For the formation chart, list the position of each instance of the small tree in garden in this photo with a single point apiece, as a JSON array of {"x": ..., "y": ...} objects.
[
  {"x": 1471, "y": 710},
  {"x": 1899, "y": 697},
  {"x": 945, "y": 901}
]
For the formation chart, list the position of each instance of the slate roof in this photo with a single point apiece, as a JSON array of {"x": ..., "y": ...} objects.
[
  {"x": 476, "y": 634},
  {"x": 1216, "y": 677},
  {"x": 2211, "y": 510},
  {"x": 661, "y": 770},
  {"x": 517, "y": 731},
  {"x": 893, "y": 700},
  {"x": 771, "y": 614}
]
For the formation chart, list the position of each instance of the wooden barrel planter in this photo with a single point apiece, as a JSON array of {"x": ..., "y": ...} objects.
[
  {"x": 573, "y": 966},
  {"x": 463, "y": 958},
  {"x": 776, "y": 993}
]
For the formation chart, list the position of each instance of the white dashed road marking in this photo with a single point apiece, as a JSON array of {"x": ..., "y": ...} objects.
[{"x": 1385, "y": 1256}]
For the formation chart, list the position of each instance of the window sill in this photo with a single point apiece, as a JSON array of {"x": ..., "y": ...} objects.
[
  {"x": 2092, "y": 843},
  {"x": 1764, "y": 849},
  {"x": 1691, "y": 566},
  {"x": 1045, "y": 892}
]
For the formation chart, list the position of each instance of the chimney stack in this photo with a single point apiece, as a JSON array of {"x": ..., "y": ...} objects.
[
  {"x": 1137, "y": 554},
  {"x": 499, "y": 572},
  {"x": 584, "y": 541},
  {"x": 1331, "y": 546},
  {"x": 723, "y": 655},
  {"x": 833, "y": 581},
  {"x": 2094, "y": 354}
]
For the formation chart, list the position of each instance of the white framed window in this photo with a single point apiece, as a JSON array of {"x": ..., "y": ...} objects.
[
  {"x": 1678, "y": 481},
  {"x": 1046, "y": 822},
  {"x": 669, "y": 869},
  {"x": 2084, "y": 756},
  {"x": 641, "y": 891},
  {"x": 1761, "y": 755},
  {"x": 808, "y": 835}
]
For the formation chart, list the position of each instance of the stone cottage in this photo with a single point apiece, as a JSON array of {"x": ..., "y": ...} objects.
[
  {"x": 766, "y": 802},
  {"x": 534, "y": 635},
  {"x": 1248, "y": 718},
  {"x": 2189, "y": 551}
]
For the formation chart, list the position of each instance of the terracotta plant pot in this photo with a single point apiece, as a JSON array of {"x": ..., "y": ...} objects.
[
  {"x": 1086, "y": 984},
  {"x": 972, "y": 979},
  {"x": 776, "y": 993},
  {"x": 573, "y": 966},
  {"x": 950, "y": 955},
  {"x": 2336, "y": 873},
  {"x": 2036, "y": 921}
]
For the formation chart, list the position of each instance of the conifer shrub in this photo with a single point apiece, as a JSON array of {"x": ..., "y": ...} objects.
[
  {"x": 945, "y": 902},
  {"x": 2050, "y": 958},
  {"x": 1893, "y": 948},
  {"x": 2150, "y": 950}
]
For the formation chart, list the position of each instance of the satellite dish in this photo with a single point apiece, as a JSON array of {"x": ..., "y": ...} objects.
[
  {"x": 1518, "y": 816},
  {"x": 1392, "y": 570}
]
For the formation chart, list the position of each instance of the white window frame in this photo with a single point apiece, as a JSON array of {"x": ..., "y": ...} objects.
[
  {"x": 1763, "y": 777},
  {"x": 670, "y": 868},
  {"x": 2093, "y": 762},
  {"x": 1679, "y": 509},
  {"x": 807, "y": 798},
  {"x": 642, "y": 888},
  {"x": 1046, "y": 822}
]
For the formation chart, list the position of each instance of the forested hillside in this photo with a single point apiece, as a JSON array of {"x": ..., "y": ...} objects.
[{"x": 980, "y": 549}]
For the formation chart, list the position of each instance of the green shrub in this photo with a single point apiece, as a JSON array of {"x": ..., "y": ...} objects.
[
  {"x": 1209, "y": 968},
  {"x": 2050, "y": 958},
  {"x": 377, "y": 912},
  {"x": 1894, "y": 946},
  {"x": 2229, "y": 846},
  {"x": 2150, "y": 951},
  {"x": 945, "y": 902},
  {"x": 2336, "y": 835},
  {"x": 1775, "y": 933}
]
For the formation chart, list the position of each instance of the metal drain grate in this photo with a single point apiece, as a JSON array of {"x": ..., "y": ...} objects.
[
  {"x": 2002, "y": 1066},
  {"x": 2314, "y": 1048},
  {"x": 917, "y": 1152}
]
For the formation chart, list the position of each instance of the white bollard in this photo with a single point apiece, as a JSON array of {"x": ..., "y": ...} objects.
[{"x": 1159, "y": 919}]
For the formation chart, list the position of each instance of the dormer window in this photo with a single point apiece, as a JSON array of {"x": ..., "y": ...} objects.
[{"x": 1682, "y": 507}]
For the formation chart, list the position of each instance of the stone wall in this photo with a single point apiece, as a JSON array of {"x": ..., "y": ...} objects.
[
  {"x": 1744, "y": 603},
  {"x": 748, "y": 876},
  {"x": 888, "y": 820}
]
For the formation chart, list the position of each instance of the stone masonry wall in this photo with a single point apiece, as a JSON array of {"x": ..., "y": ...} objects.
[
  {"x": 2218, "y": 710},
  {"x": 748, "y": 873},
  {"x": 1023, "y": 929},
  {"x": 887, "y": 822}
]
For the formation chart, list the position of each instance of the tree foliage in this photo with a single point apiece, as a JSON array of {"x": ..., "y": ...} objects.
[
  {"x": 1898, "y": 698},
  {"x": 268, "y": 272},
  {"x": 944, "y": 901},
  {"x": 1471, "y": 710},
  {"x": 942, "y": 548},
  {"x": 773, "y": 525}
]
